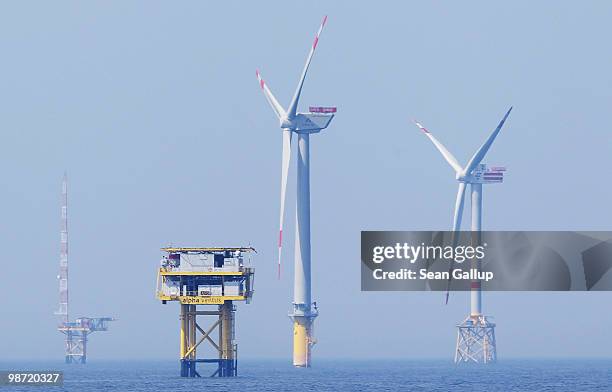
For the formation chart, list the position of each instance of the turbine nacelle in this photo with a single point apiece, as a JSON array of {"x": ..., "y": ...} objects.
[
  {"x": 307, "y": 122},
  {"x": 483, "y": 175}
]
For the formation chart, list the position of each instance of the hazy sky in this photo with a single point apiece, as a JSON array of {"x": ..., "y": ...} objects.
[{"x": 154, "y": 110}]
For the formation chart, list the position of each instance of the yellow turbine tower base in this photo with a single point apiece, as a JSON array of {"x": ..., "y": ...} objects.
[{"x": 302, "y": 341}]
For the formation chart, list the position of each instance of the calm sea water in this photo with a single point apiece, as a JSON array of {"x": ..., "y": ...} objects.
[{"x": 327, "y": 375}]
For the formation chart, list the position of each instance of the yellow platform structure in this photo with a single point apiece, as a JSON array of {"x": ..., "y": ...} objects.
[{"x": 206, "y": 276}]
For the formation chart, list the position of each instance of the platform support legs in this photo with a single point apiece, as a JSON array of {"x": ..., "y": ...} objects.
[{"x": 192, "y": 335}]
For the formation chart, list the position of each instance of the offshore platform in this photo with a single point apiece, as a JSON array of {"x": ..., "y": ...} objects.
[
  {"x": 76, "y": 332},
  {"x": 213, "y": 277}
]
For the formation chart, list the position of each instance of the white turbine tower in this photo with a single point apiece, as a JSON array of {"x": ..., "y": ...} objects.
[
  {"x": 476, "y": 334},
  {"x": 302, "y": 124}
]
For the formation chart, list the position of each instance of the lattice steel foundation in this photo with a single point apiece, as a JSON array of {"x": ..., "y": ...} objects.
[{"x": 476, "y": 341}]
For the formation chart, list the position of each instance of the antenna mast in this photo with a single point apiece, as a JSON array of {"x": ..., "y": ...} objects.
[
  {"x": 77, "y": 332},
  {"x": 63, "y": 272}
]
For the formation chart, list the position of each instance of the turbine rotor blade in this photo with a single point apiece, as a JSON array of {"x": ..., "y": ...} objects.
[
  {"x": 284, "y": 175},
  {"x": 482, "y": 151},
  {"x": 292, "y": 109},
  {"x": 278, "y": 109},
  {"x": 450, "y": 158},
  {"x": 456, "y": 228},
  {"x": 459, "y": 202}
]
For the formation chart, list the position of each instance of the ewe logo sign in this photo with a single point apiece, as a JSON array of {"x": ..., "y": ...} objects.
[{"x": 499, "y": 260}]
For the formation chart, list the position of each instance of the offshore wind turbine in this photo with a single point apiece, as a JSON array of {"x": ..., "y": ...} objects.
[
  {"x": 302, "y": 124},
  {"x": 476, "y": 334}
]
